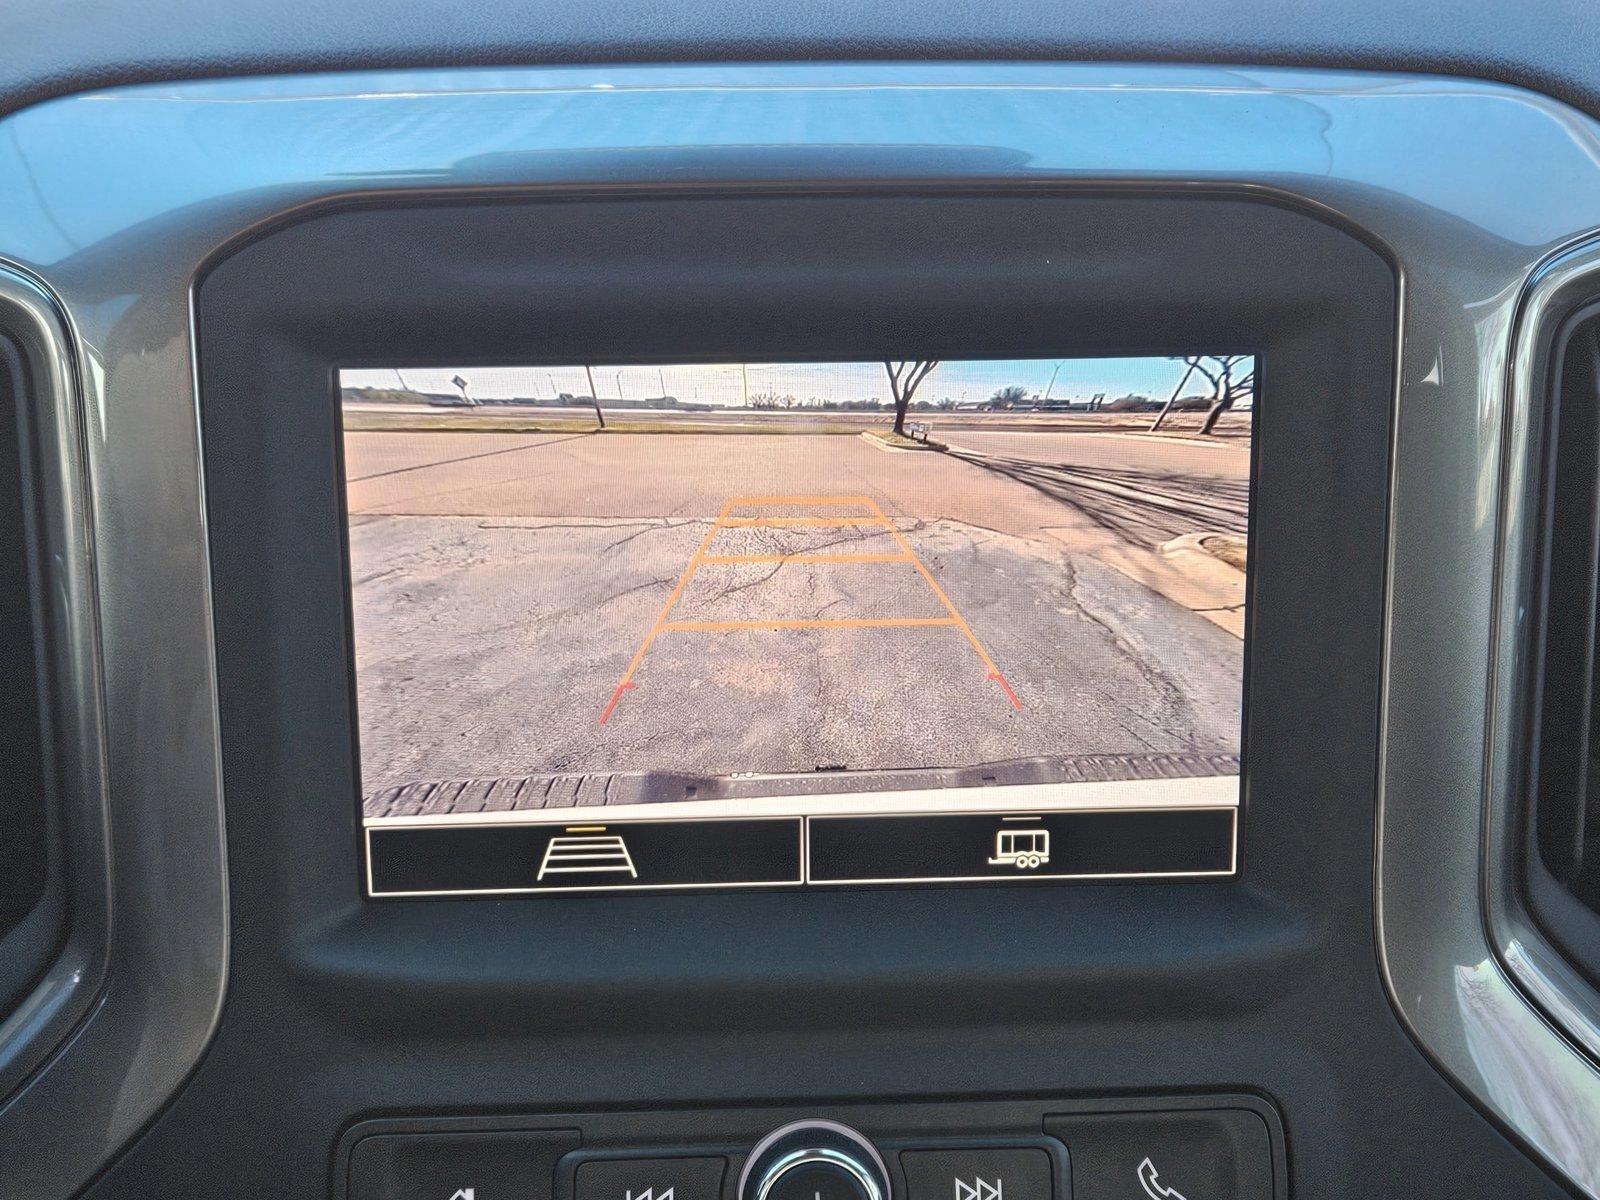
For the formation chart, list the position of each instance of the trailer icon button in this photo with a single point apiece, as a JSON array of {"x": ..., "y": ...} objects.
[{"x": 1026, "y": 848}]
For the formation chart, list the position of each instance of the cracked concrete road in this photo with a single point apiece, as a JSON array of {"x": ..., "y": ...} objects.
[{"x": 503, "y": 584}]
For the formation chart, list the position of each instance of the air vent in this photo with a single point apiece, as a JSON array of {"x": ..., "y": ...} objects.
[
  {"x": 29, "y": 927},
  {"x": 1564, "y": 826}
]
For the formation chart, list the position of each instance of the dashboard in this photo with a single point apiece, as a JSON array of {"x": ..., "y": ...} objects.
[{"x": 879, "y": 630}]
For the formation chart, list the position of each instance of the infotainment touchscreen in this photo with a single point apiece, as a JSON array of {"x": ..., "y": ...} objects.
[{"x": 630, "y": 626}]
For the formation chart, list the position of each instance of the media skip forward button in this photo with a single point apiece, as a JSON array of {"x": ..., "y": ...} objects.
[{"x": 1005, "y": 1173}]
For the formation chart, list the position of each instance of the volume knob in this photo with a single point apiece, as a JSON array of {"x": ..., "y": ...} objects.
[{"x": 814, "y": 1160}]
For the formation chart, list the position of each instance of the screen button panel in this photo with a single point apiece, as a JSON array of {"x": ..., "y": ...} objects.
[{"x": 498, "y": 857}]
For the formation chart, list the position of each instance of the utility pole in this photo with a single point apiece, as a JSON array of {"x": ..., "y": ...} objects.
[
  {"x": 594, "y": 394},
  {"x": 1053, "y": 375},
  {"x": 744, "y": 370}
]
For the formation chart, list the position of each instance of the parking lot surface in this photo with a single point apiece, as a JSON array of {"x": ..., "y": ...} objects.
[{"x": 704, "y": 603}]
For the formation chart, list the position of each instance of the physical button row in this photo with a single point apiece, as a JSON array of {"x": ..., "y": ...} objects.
[
  {"x": 1195, "y": 1154},
  {"x": 1005, "y": 1173},
  {"x": 518, "y": 1166}
]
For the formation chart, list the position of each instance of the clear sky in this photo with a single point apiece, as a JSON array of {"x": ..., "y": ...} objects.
[{"x": 724, "y": 383}]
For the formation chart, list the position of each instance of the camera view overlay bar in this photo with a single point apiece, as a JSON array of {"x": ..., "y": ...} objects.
[{"x": 948, "y": 847}]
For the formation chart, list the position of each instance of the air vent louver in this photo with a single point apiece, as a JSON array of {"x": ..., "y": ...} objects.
[
  {"x": 27, "y": 934},
  {"x": 1564, "y": 858}
]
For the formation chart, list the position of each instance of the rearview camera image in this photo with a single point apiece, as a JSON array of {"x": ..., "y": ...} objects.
[{"x": 619, "y": 610}]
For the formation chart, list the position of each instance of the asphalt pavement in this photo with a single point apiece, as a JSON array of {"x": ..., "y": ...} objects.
[{"x": 890, "y": 610}]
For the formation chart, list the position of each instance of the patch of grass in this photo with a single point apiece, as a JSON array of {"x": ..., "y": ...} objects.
[
  {"x": 1230, "y": 548},
  {"x": 901, "y": 442},
  {"x": 367, "y": 421}
]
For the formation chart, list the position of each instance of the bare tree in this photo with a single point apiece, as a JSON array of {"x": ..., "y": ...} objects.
[
  {"x": 1226, "y": 388},
  {"x": 1173, "y": 399},
  {"x": 904, "y": 379}
]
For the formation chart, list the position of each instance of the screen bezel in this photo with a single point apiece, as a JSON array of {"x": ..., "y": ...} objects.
[{"x": 279, "y": 314}]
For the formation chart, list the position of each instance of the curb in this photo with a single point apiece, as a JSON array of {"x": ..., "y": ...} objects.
[
  {"x": 879, "y": 444},
  {"x": 1220, "y": 579}
]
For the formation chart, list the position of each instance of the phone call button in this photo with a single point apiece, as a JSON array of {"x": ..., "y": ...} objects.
[{"x": 1210, "y": 1154}]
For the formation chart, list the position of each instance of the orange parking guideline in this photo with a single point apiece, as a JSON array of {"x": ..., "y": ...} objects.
[
  {"x": 877, "y": 517},
  {"x": 804, "y": 558},
  {"x": 806, "y": 501},
  {"x": 683, "y": 580},
  {"x": 814, "y": 522},
  {"x": 807, "y": 623},
  {"x": 994, "y": 671}
]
